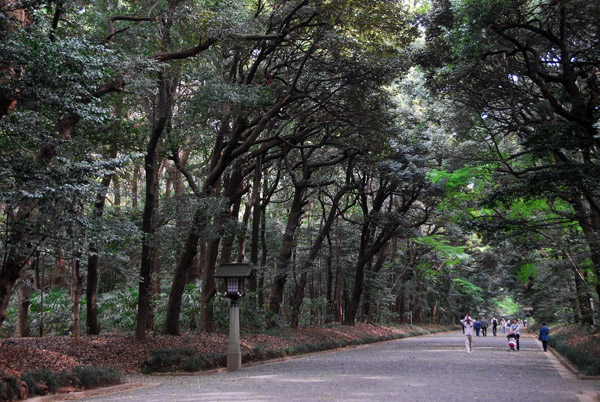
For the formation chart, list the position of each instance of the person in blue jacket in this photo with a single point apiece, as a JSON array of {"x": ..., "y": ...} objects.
[
  {"x": 544, "y": 336},
  {"x": 477, "y": 326}
]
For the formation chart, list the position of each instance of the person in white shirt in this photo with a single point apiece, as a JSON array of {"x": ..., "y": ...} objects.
[
  {"x": 514, "y": 331},
  {"x": 468, "y": 326}
]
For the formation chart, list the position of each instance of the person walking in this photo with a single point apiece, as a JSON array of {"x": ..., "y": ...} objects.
[
  {"x": 514, "y": 332},
  {"x": 544, "y": 336},
  {"x": 503, "y": 323},
  {"x": 477, "y": 326},
  {"x": 494, "y": 325},
  {"x": 467, "y": 324},
  {"x": 484, "y": 326}
]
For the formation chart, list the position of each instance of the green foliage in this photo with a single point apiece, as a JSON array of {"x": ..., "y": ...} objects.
[
  {"x": 171, "y": 359},
  {"x": 583, "y": 360},
  {"x": 507, "y": 307},
  {"x": 469, "y": 288},
  {"x": 451, "y": 255},
  {"x": 526, "y": 272},
  {"x": 91, "y": 377},
  {"x": 43, "y": 376},
  {"x": 117, "y": 309},
  {"x": 9, "y": 388},
  {"x": 58, "y": 311},
  {"x": 313, "y": 311},
  {"x": 85, "y": 377}
]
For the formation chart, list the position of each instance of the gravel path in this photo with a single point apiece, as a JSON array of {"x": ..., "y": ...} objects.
[{"x": 428, "y": 368}]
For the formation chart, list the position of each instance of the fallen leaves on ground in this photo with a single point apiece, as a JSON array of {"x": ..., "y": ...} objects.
[{"x": 126, "y": 355}]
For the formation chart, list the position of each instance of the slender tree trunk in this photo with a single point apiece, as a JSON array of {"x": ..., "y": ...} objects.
[
  {"x": 60, "y": 278},
  {"x": 179, "y": 280},
  {"x": 209, "y": 287},
  {"x": 365, "y": 254},
  {"x": 263, "y": 255},
  {"x": 285, "y": 254},
  {"x": 25, "y": 289},
  {"x": 91, "y": 290},
  {"x": 134, "y": 187},
  {"x": 42, "y": 287},
  {"x": 151, "y": 161},
  {"x": 77, "y": 282},
  {"x": 298, "y": 293},
  {"x": 233, "y": 193}
]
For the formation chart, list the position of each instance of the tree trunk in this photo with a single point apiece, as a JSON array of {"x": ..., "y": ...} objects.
[
  {"x": 589, "y": 221},
  {"x": 151, "y": 161},
  {"x": 185, "y": 260},
  {"x": 366, "y": 253},
  {"x": 41, "y": 284},
  {"x": 233, "y": 193},
  {"x": 298, "y": 293},
  {"x": 285, "y": 253},
  {"x": 91, "y": 291},
  {"x": 25, "y": 289},
  {"x": 76, "y": 285},
  {"x": 134, "y": 187},
  {"x": 209, "y": 287}
]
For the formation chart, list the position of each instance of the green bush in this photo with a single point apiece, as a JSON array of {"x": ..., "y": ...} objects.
[
  {"x": 9, "y": 388},
  {"x": 165, "y": 359},
  {"x": 43, "y": 376},
  {"x": 297, "y": 350},
  {"x": 81, "y": 377},
  {"x": 275, "y": 353},
  {"x": 91, "y": 377},
  {"x": 578, "y": 357},
  {"x": 193, "y": 363}
]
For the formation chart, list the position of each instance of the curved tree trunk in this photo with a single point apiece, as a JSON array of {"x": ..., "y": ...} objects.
[
  {"x": 285, "y": 253},
  {"x": 298, "y": 293},
  {"x": 151, "y": 162}
]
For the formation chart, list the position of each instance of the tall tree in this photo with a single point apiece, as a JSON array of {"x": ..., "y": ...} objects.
[{"x": 526, "y": 73}]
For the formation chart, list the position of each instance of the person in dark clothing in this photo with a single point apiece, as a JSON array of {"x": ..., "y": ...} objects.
[
  {"x": 477, "y": 327},
  {"x": 484, "y": 326},
  {"x": 544, "y": 336},
  {"x": 494, "y": 325}
]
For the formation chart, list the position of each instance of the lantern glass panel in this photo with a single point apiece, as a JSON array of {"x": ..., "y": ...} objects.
[{"x": 232, "y": 285}]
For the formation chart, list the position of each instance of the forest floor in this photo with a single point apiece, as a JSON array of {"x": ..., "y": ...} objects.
[
  {"x": 580, "y": 338},
  {"x": 125, "y": 355}
]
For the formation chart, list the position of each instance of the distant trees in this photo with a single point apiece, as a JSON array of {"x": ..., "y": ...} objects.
[{"x": 526, "y": 74}]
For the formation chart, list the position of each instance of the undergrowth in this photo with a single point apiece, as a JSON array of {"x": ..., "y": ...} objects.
[
  {"x": 43, "y": 381},
  {"x": 579, "y": 345}
]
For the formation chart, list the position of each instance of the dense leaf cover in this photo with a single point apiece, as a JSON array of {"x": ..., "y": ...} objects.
[{"x": 373, "y": 161}]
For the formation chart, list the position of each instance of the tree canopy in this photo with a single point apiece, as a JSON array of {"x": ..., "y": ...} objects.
[{"x": 375, "y": 161}]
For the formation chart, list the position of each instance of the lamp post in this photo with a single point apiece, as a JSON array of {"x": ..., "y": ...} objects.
[{"x": 234, "y": 276}]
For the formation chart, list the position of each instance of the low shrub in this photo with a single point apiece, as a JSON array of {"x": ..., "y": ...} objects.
[
  {"x": 193, "y": 363},
  {"x": 92, "y": 377},
  {"x": 275, "y": 353},
  {"x": 36, "y": 380},
  {"x": 176, "y": 359},
  {"x": 581, "y": 359},
  {"x": 9, "y": 388},
  {"x": 296, "y": 350},
  {"x": 43, "y": 381}
]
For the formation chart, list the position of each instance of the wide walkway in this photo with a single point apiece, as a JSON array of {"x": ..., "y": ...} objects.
[{"x": 428, "y": 368}]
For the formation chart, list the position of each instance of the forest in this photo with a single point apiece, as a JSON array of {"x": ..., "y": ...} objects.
[{"x": 373, "y": 161}]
